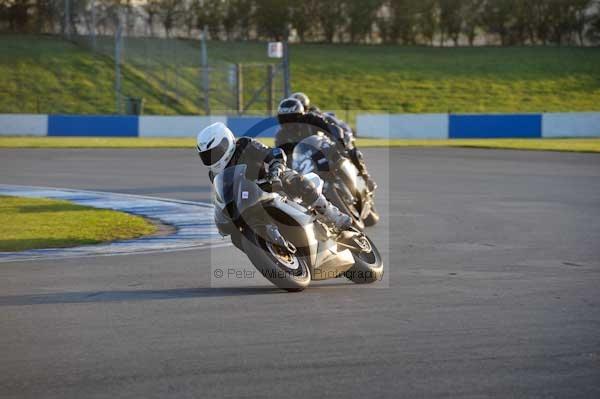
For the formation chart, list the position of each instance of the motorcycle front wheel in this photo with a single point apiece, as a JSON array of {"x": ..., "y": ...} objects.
[
  {"x": 368, "y": 266},
  {"x": 372, "y": 218},
  {"x": 288, "y": 271}
]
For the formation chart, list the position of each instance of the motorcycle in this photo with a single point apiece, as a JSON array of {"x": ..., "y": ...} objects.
[
  {"x": 286, "y": 242},
  {"x": 344, "y": 186}
]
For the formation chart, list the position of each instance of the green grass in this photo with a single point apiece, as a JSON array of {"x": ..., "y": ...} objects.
[
  {"x": 566, "y": 144},
  {"x": 48, "y": 75},
  {"x": 29, "y": 223},
  {"x": 97, "y": 142}
]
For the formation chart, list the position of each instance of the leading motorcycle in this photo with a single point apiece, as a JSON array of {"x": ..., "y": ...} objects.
[
  {"x": 288, "y": 243},
  {"x": 344, "y": 186}
]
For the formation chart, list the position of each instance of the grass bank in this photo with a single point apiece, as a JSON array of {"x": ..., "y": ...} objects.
[
  {"x": 32, "y": 223},
  {"x": 45, "y": 74},
  {"x": 564, "y": 144}
]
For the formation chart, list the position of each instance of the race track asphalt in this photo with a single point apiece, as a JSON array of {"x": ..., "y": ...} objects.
[{"x": 493, "y": 290}]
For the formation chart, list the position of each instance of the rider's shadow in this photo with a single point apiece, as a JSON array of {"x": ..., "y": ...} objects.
[{"x": 141, "y": 295}]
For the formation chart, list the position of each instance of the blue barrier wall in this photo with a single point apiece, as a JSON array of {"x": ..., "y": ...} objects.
[
  {"x": 253, "y": 126},
  {"x": 93, "y": 125},
  {"x": 494, "y": 126}
]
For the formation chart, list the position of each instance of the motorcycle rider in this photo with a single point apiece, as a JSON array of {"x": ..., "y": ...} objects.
[
  {"x": 303, "y": 98},
  {"x": 218, "y": 149},
  {"x": 296, "y": 123}
]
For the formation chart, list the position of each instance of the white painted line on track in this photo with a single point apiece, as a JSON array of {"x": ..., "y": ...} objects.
[{"x": 193, "y": 223}]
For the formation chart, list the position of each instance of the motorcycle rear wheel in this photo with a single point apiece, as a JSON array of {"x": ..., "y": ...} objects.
[{"x": 287, "y": 271}]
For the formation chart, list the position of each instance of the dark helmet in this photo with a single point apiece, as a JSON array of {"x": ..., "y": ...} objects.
[
  {"x": 303, "y": 98},
  {"x": 290, "y": 107}
]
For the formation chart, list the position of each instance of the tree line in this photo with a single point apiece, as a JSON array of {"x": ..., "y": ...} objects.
[{"x": 408, "y": 22}]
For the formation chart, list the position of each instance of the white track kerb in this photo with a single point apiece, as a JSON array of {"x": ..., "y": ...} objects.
[{"x": 193, "y": 223}]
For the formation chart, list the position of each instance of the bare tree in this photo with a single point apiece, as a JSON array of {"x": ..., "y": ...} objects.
[
  {"x": 328, "y": 15},
  {"x": 169, "y": 13},
  {"x": 152, "y": 11},
  {"x": 361, "y": 17},
  {"x": 451, "y": 19}
]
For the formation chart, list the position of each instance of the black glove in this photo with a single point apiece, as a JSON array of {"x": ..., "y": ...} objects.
[{"x": 276, "y": 169}]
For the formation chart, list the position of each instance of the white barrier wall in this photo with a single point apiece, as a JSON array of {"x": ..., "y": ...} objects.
[
  {"x": 410, "y": 126},
  {"x": 23, "y": 125},
  {"x": 373, "y": 125},
  {"x": 571, "y": 124},
  {"x": 175, "y": 126}
]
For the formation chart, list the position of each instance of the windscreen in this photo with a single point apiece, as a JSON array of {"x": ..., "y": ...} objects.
[{"x": 308, "y": 156}]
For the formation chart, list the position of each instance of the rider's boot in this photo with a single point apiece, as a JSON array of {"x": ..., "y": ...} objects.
[{"x": 332, "y": 214}]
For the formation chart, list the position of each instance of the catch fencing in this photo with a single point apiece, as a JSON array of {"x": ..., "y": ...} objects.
[{"x": 119, "y": 74}]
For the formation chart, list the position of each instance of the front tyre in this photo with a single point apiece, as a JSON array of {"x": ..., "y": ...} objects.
[
  {"x": 287, "y": 271},
  {"x": 368, "y": 266}
]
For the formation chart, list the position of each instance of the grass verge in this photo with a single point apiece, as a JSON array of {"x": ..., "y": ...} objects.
[
  {"x": 560, "y": 144},
  {"x": 32, "y": 223},
  {"x": 563, "y": 144}
]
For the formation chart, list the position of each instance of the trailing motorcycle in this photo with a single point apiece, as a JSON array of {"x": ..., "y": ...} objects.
[
  {"x": 285, "y": 241},
  {"x": 344, "y": 186}
]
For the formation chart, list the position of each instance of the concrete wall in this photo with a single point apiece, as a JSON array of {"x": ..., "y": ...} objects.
[
  {"x": 410, "y": 126},
  {"x": 571, "y": 125},
  {"x": 475, "y": 126},
  {"x": 175, "y": 126},
  {"x": 417, "y": 126},
  {"x": 23, "y": 125}
]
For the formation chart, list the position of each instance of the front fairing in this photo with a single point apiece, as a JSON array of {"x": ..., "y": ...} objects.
[{"x": 235, "y": 194}]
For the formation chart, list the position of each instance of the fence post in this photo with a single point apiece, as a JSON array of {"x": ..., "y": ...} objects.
[
  {"x": 205, "y": 72},
  {"x": 239, "y": 89},
  {"x": 68, "y": 19},
  {"x": 286, "y": 70},
  {"x": 270, "y": 89},
  {"x": 118, "y": 67},
  {"x": 93, "y": 32}
]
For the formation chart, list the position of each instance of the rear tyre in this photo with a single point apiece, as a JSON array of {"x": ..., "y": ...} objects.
[
  {"x": 368, "y": 266},
  {"x": 287, "y": 271}
]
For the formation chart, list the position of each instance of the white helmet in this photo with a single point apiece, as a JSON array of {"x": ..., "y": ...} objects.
[{"x": 216, "y": 145}]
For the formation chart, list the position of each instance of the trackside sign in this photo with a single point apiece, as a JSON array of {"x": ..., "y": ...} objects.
[{"x": 275, "y": 50}]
